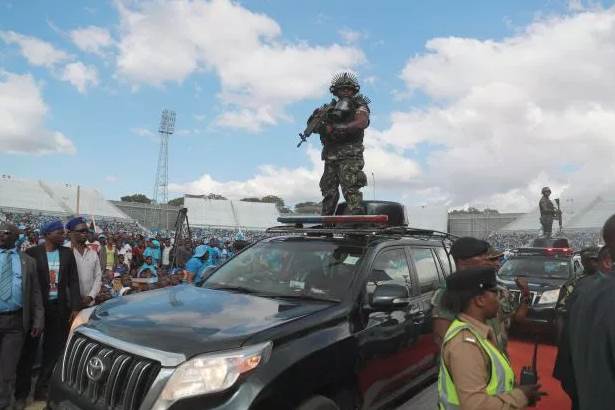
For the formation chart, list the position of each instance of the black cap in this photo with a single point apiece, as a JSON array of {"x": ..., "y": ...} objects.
[
  {"x": 476, "y": 279},
  {"x": 468, "y": 247}
]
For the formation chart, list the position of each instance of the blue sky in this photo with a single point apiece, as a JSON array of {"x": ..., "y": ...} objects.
[{"x": 107, "y": 106}]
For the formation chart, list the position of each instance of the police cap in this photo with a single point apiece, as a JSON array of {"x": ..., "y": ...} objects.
[
  {"x": 473, "y": 279},
  {"x": 468, "y": 247}
]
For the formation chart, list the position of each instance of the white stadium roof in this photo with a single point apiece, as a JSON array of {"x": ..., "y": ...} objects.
[
  {"x": 229, "y": 214},
  {"x": 28, "y": 195}
]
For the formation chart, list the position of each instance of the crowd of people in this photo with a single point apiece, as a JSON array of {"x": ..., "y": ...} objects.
[{"x": 578, "y": 240}]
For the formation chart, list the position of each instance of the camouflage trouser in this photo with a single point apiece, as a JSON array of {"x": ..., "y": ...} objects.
[
  {"x": 547, "y": 226},
  {"x": 347, "y": 173}
]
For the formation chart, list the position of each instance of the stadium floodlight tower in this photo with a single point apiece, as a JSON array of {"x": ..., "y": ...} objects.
[{"x": 161, "y": 185}]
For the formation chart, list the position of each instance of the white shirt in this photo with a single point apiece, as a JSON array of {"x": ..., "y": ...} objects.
[
  {"x": 166, "y": 252},
  {"x": 90, "y": 274},
  {"x": 126, "y": 250}
]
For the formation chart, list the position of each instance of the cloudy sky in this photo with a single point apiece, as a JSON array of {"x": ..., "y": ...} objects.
[{"x": 478, "y": 103}]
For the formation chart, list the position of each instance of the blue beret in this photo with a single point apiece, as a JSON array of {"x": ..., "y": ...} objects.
[
  {"x": 52, "y": 226},
  {"x": 70, "y": 225}
]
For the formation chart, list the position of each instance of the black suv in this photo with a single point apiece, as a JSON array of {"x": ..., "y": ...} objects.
[
  {"x": 546, "y": 270},
  {"x": 338, "y": 317}
]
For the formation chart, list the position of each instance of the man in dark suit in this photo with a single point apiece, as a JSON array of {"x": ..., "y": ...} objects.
[
  {"x": 21, "y": 307},
  {"x": 59, "y": 285}
]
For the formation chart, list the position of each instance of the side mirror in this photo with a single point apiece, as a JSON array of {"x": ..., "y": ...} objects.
[{"x": 390, "y": 296}]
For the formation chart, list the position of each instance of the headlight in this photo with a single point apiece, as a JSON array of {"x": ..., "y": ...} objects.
[
  {"x": 81, "y": 319},
  {"x": 550, "y": 296},
  {"x": 211, "y": 373}
]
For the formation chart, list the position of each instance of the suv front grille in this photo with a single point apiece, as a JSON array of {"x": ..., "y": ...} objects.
[
  {"x": 534, "y": 296},
  {"x": 107, "y": 377}
]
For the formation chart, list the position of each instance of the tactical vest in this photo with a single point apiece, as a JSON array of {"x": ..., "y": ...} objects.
[
  {"x": 356, "y": 137},
  {"x": 502, "y": 377}
]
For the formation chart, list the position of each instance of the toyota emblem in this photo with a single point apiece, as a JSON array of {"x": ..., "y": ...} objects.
[{"x": 95, "y": 369}]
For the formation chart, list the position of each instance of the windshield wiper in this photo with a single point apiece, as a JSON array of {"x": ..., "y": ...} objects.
[
  {"x": 239, "y": 289},
  {"x": 304, "y": 297}
]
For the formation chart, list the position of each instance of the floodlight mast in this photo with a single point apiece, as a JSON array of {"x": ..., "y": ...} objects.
[{"x": 161, "y": 184}]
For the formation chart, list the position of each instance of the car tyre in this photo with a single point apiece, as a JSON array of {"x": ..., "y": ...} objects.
[{"x": 318, "y": 403}]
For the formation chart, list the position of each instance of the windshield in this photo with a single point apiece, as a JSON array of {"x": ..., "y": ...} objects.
[
  {"x": 536, "y": 266},
  {"x": 314, "y": 269}
]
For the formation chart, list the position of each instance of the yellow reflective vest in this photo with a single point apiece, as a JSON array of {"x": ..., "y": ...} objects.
[{"x": 501, "y": 380}]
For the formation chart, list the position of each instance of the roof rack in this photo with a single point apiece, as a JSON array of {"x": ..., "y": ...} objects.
[{"x": 346, "y": 229}]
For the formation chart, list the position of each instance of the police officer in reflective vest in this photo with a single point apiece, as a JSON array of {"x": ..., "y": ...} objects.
[{"x": 474, "y": 374}]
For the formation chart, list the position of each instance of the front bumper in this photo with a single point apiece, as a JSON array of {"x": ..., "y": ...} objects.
[
  {"x": 541, "y": 314},
  {"x": 242, "y": 396},
  {"x": 63, "y": 396}
]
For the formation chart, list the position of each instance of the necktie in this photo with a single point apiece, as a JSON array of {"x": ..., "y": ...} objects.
[{"x": 6, "y": 275}]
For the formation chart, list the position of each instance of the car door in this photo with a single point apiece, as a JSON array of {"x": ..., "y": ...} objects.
[
  {"x": 385, "y": 366},
  {"x": 429, "y": 277}
]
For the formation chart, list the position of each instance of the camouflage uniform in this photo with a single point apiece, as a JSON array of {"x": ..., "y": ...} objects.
[
  {"x": 343, "y": 153},
  {"x": 547, "y": 213},
  {"x": 343, "y": 167},
  {"x": 499, "y": 324}
]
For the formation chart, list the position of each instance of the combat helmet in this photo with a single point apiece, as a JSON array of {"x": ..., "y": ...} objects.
[{"x": 344, "y": 79}]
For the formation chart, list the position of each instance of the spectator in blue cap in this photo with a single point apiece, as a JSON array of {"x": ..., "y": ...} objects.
[{"x": 197, "y": 264}]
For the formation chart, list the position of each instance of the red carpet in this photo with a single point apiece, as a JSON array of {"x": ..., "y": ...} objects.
[{"x": 521, "y": 355}]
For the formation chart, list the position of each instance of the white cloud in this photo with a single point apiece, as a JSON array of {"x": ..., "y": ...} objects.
[
  {"x": 301, "y": 184},
  {"x": 92, "y": 39},
  {"x": 143, "y": 132},
  {"x": 350, "y": 36},
  {"x": 111, "y": 178},
  {"x": 22, "y": 114},
  {"x": 36, "y": 51},
  {"x": 510, "y": 116},
  {"x": 41, "y": 53},
  {"x": 260, "y": 73},
  {"x": 80, "y": 75}
]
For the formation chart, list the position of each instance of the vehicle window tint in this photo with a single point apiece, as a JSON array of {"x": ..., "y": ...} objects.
[
  {"x": 390, "y": 265},
  {"x": 425, "y": 269},
  {"x": 442, "y": 255}
]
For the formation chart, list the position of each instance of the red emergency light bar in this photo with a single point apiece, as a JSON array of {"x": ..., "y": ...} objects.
[
  {"x": 558, "y": 251},
  {"x": 334, "y": 219}
]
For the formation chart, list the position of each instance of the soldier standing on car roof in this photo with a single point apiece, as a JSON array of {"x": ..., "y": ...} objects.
[
  {"x": 547, "y": 212},
  {"x": 341, "y": 135},
  {"x": 474, "y": 373}
]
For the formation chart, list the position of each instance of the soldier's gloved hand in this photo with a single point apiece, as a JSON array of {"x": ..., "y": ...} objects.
[{"x": 340, "y": 129}]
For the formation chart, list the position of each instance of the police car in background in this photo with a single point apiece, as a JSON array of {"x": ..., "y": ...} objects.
[
  {"x": 332, "y": 316},
  {"x": 546, "y": 269}
]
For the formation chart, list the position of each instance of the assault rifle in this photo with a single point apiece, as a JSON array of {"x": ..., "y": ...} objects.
[
  {"x": 317, "y": 120},
  {"x": 559, "y": 214}
]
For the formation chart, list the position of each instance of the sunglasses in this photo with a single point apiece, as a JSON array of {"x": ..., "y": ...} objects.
[{"x": 5, "y": 232}]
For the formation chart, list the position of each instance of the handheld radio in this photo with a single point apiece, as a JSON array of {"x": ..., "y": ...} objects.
[{"x": 529, "y": 375}]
